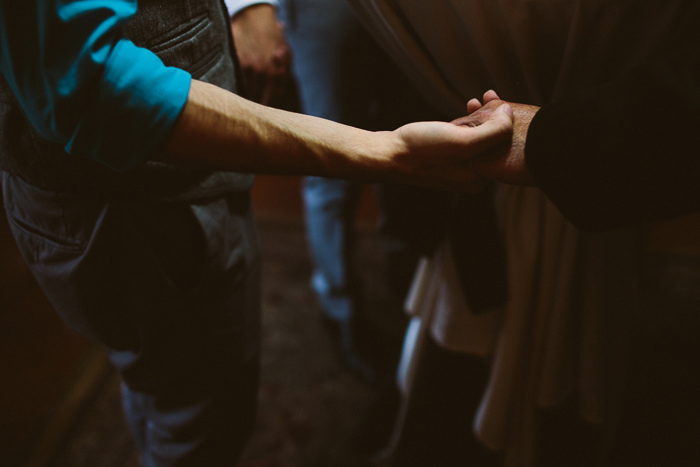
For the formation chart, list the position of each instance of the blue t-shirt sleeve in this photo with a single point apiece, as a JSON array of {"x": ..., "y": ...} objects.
[{"x": 83, "y": 85}]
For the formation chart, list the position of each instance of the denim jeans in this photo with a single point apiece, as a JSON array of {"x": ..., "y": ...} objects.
[
  {"x": 343, "y": 75},
  {"x": 330, "y": 207}
]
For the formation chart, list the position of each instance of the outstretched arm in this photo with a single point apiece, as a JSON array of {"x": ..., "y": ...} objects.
[
  {"x": 221, "y": 130},
  {"x": 83, "y": 85}
]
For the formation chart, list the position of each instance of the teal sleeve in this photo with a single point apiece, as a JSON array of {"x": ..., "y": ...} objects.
[{"x": 82, "y": 85}]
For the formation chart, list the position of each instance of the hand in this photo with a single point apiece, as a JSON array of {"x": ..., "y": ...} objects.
[
  {"x": 263, "y": 52},
  {"x": 441, "y": 154},
  {"x": 506, "y": 162}
]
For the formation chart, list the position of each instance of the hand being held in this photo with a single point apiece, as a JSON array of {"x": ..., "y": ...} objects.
[
  {"x": 441, "y": 154},
  {"x": 505, "y": 162}
]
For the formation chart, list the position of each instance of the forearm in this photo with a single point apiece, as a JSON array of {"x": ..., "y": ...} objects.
[{"x": 219, "y": 129}]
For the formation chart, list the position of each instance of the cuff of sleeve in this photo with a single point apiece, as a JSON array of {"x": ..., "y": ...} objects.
[
  {"x": 133, "y": 111},
  {"x": 234, "y": 6},
  {"x": 560, "y": 156}
]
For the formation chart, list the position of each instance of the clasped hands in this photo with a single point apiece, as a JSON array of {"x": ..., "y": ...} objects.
[
  {"x": 491, "y": 148},
  {"x": 504, "y": 162},
  {"x": 435, "y": 154}
]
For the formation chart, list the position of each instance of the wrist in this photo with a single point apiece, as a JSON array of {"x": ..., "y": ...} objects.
[{"x": 382, "y": 155}]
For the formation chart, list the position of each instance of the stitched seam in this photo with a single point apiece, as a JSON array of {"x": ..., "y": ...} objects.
[
  {"x": 180, "y": 33},
  {"x": 44, "y": 236}
]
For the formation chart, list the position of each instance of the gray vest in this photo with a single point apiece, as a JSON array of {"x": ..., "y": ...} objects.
[{"x": 193, "y": 35}]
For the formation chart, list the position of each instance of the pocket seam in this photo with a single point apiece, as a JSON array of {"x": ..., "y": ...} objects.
[
  {"x": 44, "y": 236},
  {"x": 180, "y": 33}
]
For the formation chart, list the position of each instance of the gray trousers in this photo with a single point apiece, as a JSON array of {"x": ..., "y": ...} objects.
[{"x": 171, "y": 291}]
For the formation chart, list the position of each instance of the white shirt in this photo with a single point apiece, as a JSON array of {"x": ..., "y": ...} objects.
[{"x": 234, "y": 6}]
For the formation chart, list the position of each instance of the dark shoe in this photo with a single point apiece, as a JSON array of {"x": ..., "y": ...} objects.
[{"x": 344, "y": 342}]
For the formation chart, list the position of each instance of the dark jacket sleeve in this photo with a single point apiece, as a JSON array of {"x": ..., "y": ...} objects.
[{"x": 626, "y": 152}]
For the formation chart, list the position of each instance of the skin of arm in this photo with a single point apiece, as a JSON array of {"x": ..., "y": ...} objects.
[
  {"x": 263, "y": 52},
  {"x": 222, "y": 130}
]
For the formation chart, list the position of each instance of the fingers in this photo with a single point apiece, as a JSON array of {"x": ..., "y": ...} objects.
[
  {"x": 490, "y": 95},
  {"x": 267, "y": 80},
  {"x": 473, "y": 105},
  {"x": 275, "y": 85},
  {"x": 283, "y": 69}
]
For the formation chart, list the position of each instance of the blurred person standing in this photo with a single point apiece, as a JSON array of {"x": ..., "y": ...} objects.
[{"x": 344, "y": 75}]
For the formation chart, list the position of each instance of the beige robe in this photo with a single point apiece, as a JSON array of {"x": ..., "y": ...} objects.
[
  {"x": 564, "y": 331},
  {"x": 572, "y": 296}
]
